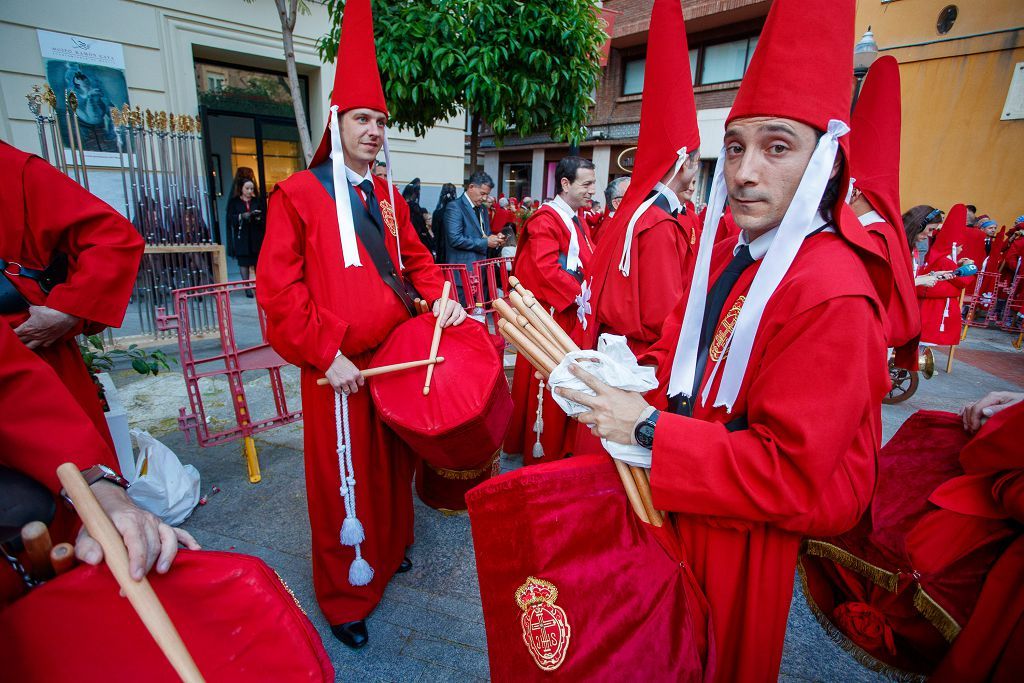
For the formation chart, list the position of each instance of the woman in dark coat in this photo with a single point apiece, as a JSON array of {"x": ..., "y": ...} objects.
[
  {"x": 448, "y": 193},
  {"x": 246, "y": 225}
]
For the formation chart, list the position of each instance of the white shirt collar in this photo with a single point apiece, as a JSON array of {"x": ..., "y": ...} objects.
[
  {"x": 870, "y": 218},
  {"x": 354, "y": 178},
  {"x": 759, "y": 247},
  {"x": 469, "y": 201},
  {"x": 673, "y": 199},
  {"x": 562, "y": 207}
]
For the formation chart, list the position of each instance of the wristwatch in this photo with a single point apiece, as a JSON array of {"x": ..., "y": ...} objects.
[
  {"x": 95, "y": 474},
  {"x": 644, "y": 430}
]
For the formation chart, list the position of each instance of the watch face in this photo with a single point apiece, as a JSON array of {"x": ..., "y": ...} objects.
[{"x": 645, "y": 435}]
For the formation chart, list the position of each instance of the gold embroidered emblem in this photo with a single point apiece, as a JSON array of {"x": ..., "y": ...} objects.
[
  {"x": 389, "y": 217},
  {"x": 724, "y": 331},
  {"x": 545, "y": 625}
]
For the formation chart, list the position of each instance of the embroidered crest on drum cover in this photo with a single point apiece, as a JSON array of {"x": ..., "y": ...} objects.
[
  {"x": 545, "y": 625},
  {"x": 388, "y": 213},
  {"x": 720, "y": 341}
]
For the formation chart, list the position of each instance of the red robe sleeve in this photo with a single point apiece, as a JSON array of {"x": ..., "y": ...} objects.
[
  {"x": 537, "y": 262},
  {"x": 777, "y": 469},
  {"x": 43, "y": 426},
  {"x": 303, "y": 333},
  {"x": 103, "y": 247}
]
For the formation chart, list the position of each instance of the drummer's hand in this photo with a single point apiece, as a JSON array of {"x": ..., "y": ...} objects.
[
  {"x": 613, "y": 412},
  {"x": 148, "y": 540},
  {"x": 344, "y": 376},
  {"x": 975, "y": 414},
  {"x": 454, "y": 313}
]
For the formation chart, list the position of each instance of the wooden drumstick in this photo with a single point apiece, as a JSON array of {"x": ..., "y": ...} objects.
[
  {"x": 530, "y": 359},
  {"x": 62, "y": 557},
  {"x": 632, "y": 492},
  {"x": 521, "y": 341},
  {"x": 436, "y": 341},
  {"x": 550, "y": 349},
  {"x": 517, "y": 302},
  {"x": 549, "y": 323},
  {"x": 385, "y": 369},
  {"x": 36, "y": 538},
  {"x": 643, "y": 484},
  {"x": 139, "y": 593}
]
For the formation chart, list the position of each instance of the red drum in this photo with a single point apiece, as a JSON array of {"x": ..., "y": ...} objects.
[
  {"x": 457, "y": 429},
  {"x": 445, "y": 490},
  {"x": 573, "y": 585},
  {"x": 236, "y": 617}
]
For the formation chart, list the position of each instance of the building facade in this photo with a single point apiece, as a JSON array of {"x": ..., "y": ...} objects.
[
  {"x": 962, "y": 73},
  {"x": 721, "y": 35},
  {"x": 220, "y": 59}
]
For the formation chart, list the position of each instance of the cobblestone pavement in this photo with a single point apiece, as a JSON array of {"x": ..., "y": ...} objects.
[{"x": 429, "y": 625}]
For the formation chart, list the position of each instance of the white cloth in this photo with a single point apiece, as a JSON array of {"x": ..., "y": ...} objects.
[
  {"x": 797, "y": 223},
  {"x": 616, "y": 366},
  {"x": 572, "y": 260},
  {"x": 627, "y": 244},
  {"x": 342, "y": 200}
]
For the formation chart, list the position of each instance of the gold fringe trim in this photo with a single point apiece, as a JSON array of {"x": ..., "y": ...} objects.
[
  {"x": 466, "y": 475},
  {"x": 862, "y": 656},
  {"x": 942, "y": 620},
  {"x": 884, "y": 578}
]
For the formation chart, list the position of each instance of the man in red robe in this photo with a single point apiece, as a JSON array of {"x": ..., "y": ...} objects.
[
  {"x": 40, "y": 419},
  {"x": 643, "y": 263},
  {"x": 48, "y": 220},
  {"x": 330, "y": 303},
  {"x": 552, "y": 261},
  {"x": 875, "y": 168},
  {"x": 748, "y": 455}
]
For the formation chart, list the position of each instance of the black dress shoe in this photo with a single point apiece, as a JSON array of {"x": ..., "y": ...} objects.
[
  {"x": 405, "y": 566},
  {"x": 352, "y": 633}
]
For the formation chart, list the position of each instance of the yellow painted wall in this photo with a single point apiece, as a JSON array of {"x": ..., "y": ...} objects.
[{"x": 955, "y": 147}]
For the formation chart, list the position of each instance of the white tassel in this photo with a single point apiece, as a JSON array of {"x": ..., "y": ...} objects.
[
  {"x": 538, "y": 425},
  {"x": 360, "y": 573},
  {"x": 352, "y": 532}
]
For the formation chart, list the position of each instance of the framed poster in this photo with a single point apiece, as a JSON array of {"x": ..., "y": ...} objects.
[{"x": 94, "y": 71}]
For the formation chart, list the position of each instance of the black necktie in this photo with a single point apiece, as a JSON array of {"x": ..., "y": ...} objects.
[
  {"x": 480, "y": 211},
  {"x": 366, "y": 185},
  {"x": 679, "y": 403}
]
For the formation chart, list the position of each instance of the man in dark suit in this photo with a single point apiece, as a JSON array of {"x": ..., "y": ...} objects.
[{"x": 467, "y": 226}]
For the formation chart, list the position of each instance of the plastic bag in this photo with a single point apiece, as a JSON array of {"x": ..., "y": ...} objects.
[{"x": 161, "y": 484}]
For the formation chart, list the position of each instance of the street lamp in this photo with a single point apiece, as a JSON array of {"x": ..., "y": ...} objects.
[{"x": 865, "y": 52}]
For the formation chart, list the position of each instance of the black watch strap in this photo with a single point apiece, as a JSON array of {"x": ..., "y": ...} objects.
[{"x": 96, "y": 473}]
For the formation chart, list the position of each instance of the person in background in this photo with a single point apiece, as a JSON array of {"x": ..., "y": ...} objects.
[
  {"x": 448, "y": 194},
  {"x": 411, "y": 195},
  {"x": 427, "y": 236},
  {"x": 467, "y": 226},
  {"x": 613, "y": 195},
  {"x": 380, "y": 169},
  {"x": 246, "y": 216},
  {"x": 972, "y": 215},
  {"x": 502, "y": 217},
  {"x": 920, "y": 224}
]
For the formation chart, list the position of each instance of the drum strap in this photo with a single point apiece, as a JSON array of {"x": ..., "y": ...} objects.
[{"x": 370, "y": 230}]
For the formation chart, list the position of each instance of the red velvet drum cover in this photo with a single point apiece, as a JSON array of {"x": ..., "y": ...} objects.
[
  {"x": 445, "y": 490},
  {"x": 463, "y": 419},
  {"x": 236, "y": 617},
  {"x": 574, "y": 587}
]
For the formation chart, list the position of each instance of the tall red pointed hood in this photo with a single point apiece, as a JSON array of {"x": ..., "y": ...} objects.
[
  {"x": 668, "y": 124},
  {"x": 668, "y": 113},
  {"x": 875, "y": 139},
  {"x": 954, "y": 231},
  {"x": 802, "y": 68},
  {"x": 356, "y": 75}
]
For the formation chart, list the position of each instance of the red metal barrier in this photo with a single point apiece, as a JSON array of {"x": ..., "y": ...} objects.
[
  {"x": 229, "y": 361},
  {"x": 458, "y": 274},
  {"x": 986, "y": 291}
]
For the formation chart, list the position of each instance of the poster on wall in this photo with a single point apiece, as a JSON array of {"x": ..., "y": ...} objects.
[{"x": 94, "y": 71}]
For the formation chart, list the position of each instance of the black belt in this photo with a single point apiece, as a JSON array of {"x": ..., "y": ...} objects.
[
  {"x": 11, "y": 300},
  {"x": 370, "y": 232}
]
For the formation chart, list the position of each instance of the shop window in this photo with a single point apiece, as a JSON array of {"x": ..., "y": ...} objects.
[
  {"x": 515, "y": 179},
  {"x": 726, "y": 61}
]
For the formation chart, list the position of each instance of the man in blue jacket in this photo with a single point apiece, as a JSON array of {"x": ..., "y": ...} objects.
[{"x": 468, "y": 227}]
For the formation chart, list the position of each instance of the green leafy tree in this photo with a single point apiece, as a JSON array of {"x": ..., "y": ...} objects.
[{"x": 521, "y": 66}]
